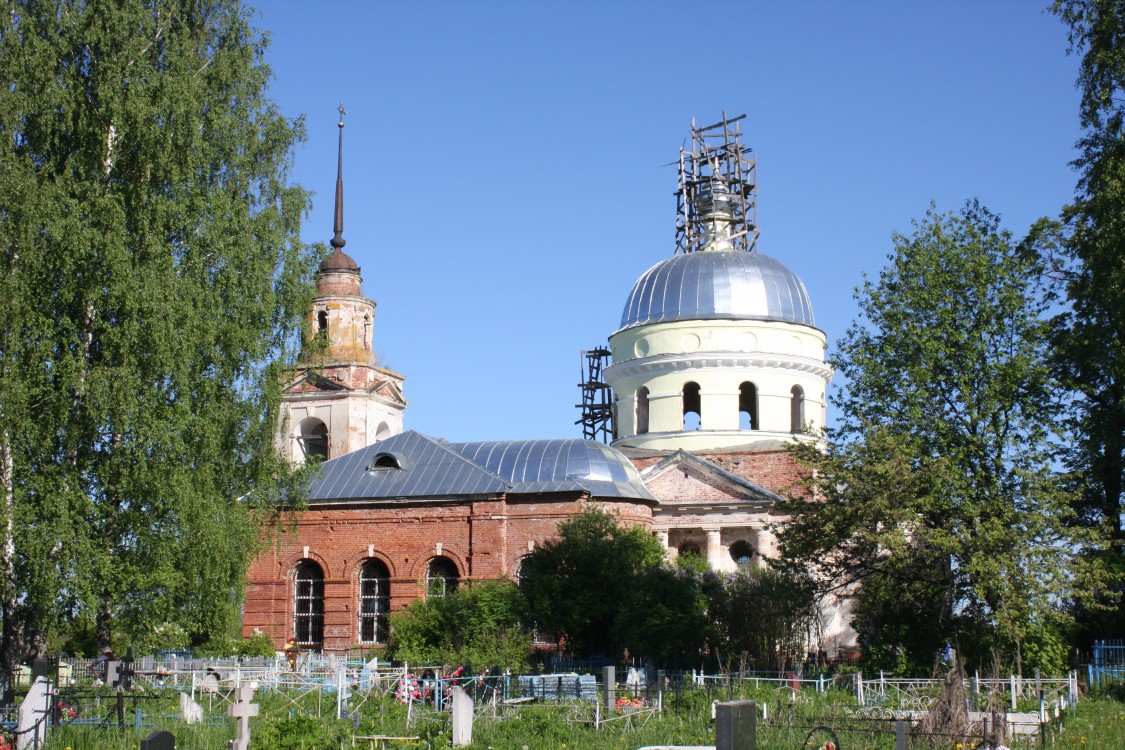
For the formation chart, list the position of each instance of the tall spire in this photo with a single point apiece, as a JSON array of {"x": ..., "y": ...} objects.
[{"x": 338, "y": 240}]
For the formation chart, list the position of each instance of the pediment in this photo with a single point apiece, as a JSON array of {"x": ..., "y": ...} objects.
[
  {"x": 310, "y": 382},
  {"x": 388, "y": 389},
  {"x": 684, "y": 479}
]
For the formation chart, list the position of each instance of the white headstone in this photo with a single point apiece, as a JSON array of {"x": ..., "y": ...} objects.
[
  {"x": 32, "y": 724},
  {"x": 462, "y": 718},
  {"x": 633, "y": 678},
  {"x": 190, "y": 711}
]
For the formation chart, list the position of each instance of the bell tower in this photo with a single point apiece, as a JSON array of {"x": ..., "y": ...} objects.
[{"x": 338, "y": 399}]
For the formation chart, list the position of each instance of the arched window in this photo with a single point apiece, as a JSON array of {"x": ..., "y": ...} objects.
[
  {"x": 386, "y": 461},
  {"x": 312, "y": 437},
  {"x": 689, "y": 548},
  {"x": 308, "y": 604},
  {"x": 382, "y": 432},
  {"x": 797, "y": 409},
  {"x": 642, "y": 411},
  {"x": 441, "y": 577},
  {"x": 322, "y": 322},
  {"x": 374, "y": 601},
  {"x": 742, "y": 554},
  {"x": 747, "y": 407},
  {"x": 693, "y": 414}
]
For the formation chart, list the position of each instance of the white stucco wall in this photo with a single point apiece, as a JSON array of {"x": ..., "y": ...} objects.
[{"x": 719, "y": 355}]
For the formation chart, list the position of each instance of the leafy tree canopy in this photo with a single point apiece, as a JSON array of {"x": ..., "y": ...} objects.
[
  {"x": 945, "y": 447},
  {"x": 153, "y": 277},
  {"x": 577, "y": 583},
  {"x": 477, "y": 625}
]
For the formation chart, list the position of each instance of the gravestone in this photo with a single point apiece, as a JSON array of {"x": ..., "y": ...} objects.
[
  {"x": 462, "y": 717},
  {"x": 113, "y": 672},
  {"x": 609, "y": 680},
  {"x": 159, "y": 741},
  {"x": 31, "y": 727},
  {"x": 241, "y": 711},
  {"x": 736, "y": 725},
  {"x": 190, "y": 711}
]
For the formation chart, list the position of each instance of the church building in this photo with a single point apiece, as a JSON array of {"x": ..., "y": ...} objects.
[{"x": 716, "y": 365}]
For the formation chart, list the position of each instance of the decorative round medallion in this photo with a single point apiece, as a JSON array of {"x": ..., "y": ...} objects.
[{"x": 689, "y": 342}]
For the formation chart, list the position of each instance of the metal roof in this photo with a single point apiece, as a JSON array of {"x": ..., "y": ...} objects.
[
  {"x": 718, "y": 285},
  {"x": 429, "y": 468},
  {"x": 559, "y": 465}
]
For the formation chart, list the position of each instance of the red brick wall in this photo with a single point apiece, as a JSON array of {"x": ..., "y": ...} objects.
[
  {"x": 338, "y": 284},
  {"x": 486, "y": 539},
  {"x": 776, "y": 471}
]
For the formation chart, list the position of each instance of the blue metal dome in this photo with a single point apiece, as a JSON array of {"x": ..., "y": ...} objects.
[{"x": 718, "y": 285}]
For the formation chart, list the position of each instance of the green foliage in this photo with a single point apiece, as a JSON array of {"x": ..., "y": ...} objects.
[
  {"x": 663, "y": 614},
  {"x": 944, "y": 453},
  {"x": 479, "y": 624},
  {"x": 153, "y": 279},
  {"x": 1089, "y": 353},
  {"x": 785, "y": 618},
  {"x": 576, "y": 584},
  {"x": 901, "y": 614}
]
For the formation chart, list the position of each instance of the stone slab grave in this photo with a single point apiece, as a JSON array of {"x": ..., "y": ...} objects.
[
  {"x": 31, "y": 727},
  {"x": 159, "y": 741}
]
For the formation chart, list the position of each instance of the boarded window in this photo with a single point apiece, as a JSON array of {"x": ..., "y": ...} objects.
[
  {"x": 797, "y": 409},
  {"x": 642, "y": 411}
]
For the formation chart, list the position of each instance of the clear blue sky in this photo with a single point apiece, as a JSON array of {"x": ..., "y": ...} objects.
[{"x": 503, "y": 160}]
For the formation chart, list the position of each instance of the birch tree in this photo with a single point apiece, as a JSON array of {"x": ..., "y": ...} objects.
[{"x": 152, "y": 281}]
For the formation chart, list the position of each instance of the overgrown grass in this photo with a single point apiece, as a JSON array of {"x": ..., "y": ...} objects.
[{"x": 289, "y": 722}]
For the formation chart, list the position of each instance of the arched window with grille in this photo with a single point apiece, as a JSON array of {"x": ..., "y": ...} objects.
[
  {"x": 747, "y": 407},
  {"x": 308, "y": 604},
  {"x": 441, "y": 577},
  {"x": 642, "y": 411},
  {"x": 797, "y": 409},
  {"x": 689, "y": 548},
  {"x": 374, "y": 601},
  {"x": 693, "y": 413}
]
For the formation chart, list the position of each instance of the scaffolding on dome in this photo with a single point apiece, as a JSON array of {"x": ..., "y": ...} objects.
[
  {"x": 717, "y": 162},
  {"x": 597, "y": 397}
]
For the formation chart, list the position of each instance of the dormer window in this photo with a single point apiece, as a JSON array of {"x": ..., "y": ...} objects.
[{"x": 384, "y": 461}]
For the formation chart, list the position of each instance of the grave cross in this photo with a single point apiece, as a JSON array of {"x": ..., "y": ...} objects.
[{"x": 241, "y": 711}]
